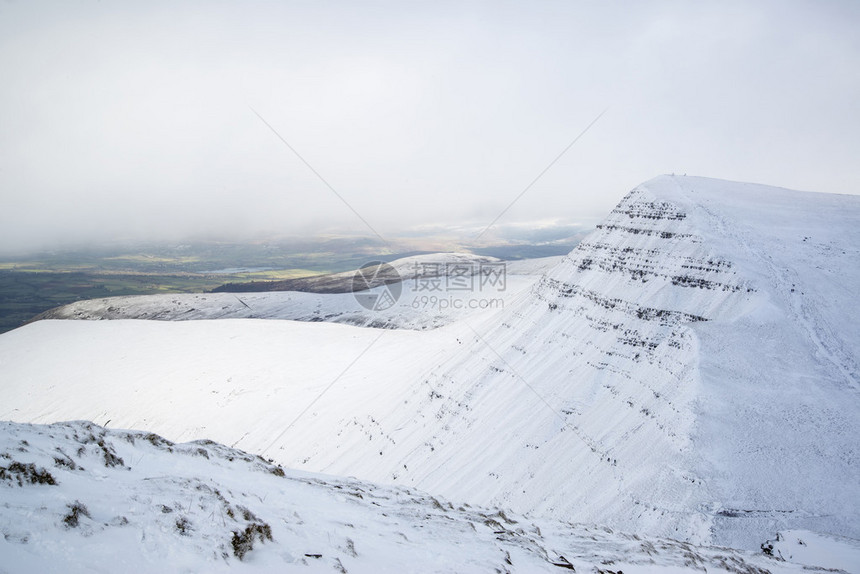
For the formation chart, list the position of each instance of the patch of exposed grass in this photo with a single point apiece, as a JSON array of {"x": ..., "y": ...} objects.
[
  {"x": 76, "y": 510},
  {"x": 26, "y": 473},
  {"x": 243, "y": 541}
]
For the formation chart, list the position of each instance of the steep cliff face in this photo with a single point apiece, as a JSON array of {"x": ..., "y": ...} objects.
[
  {"x": 641, "y": 384},
  {"x": 599, "y": 365}
]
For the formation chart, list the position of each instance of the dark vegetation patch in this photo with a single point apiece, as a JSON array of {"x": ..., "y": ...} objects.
[
  {"x": 183, "y": 526},
  {"x": 110, "y": 457},
  {"x": 157, "y": 441},
  {"x": 26, "y": 473},
  {"x": 65, "y": 461},
  {"x": 76, "y": 510},
  {"x": 243, "y": 540},
  {"x": 96, "y": 435}
]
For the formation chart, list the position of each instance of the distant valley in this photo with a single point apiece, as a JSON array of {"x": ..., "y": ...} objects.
[{"x": 34, "y": 283}]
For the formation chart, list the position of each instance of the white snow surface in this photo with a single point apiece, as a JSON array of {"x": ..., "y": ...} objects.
[
  {"x": 815, "y": 550},
  {"x": 80, "y": 498},
  {"x": 690, "y": 370}
]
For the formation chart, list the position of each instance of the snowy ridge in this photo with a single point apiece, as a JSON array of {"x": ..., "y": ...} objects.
[
  {"x": 203, "y": 507},
  {"x": 690, "y": 371},
  {"x": 335, "y": 307},
  {"x": 343, "y": 282}
]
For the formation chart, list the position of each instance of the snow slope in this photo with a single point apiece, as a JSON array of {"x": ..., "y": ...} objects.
[
  {"x": 203, "y": 507},
  {"x": 689, "y": 370}
]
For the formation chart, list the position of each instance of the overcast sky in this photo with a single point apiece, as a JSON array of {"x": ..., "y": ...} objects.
[{"x": 136, "y": 119}]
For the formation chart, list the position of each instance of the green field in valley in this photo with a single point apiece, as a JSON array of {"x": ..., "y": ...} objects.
[{"x": 33, "y": 284}]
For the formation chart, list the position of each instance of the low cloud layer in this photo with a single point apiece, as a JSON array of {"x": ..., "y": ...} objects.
[{"x": 137, "y": 120}]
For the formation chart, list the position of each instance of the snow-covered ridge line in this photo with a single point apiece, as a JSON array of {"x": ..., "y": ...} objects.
[
  {"x": 76, "y": 494},
  {"x": 335, "y": 304},
  {"x": 381, "y": 273}
]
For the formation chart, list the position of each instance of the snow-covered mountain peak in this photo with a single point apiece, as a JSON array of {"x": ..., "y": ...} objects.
[
  {"x": 689, "y": 370},
  {"x": 701, "y": 320},
  {"x": 649, "y": 251}
]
